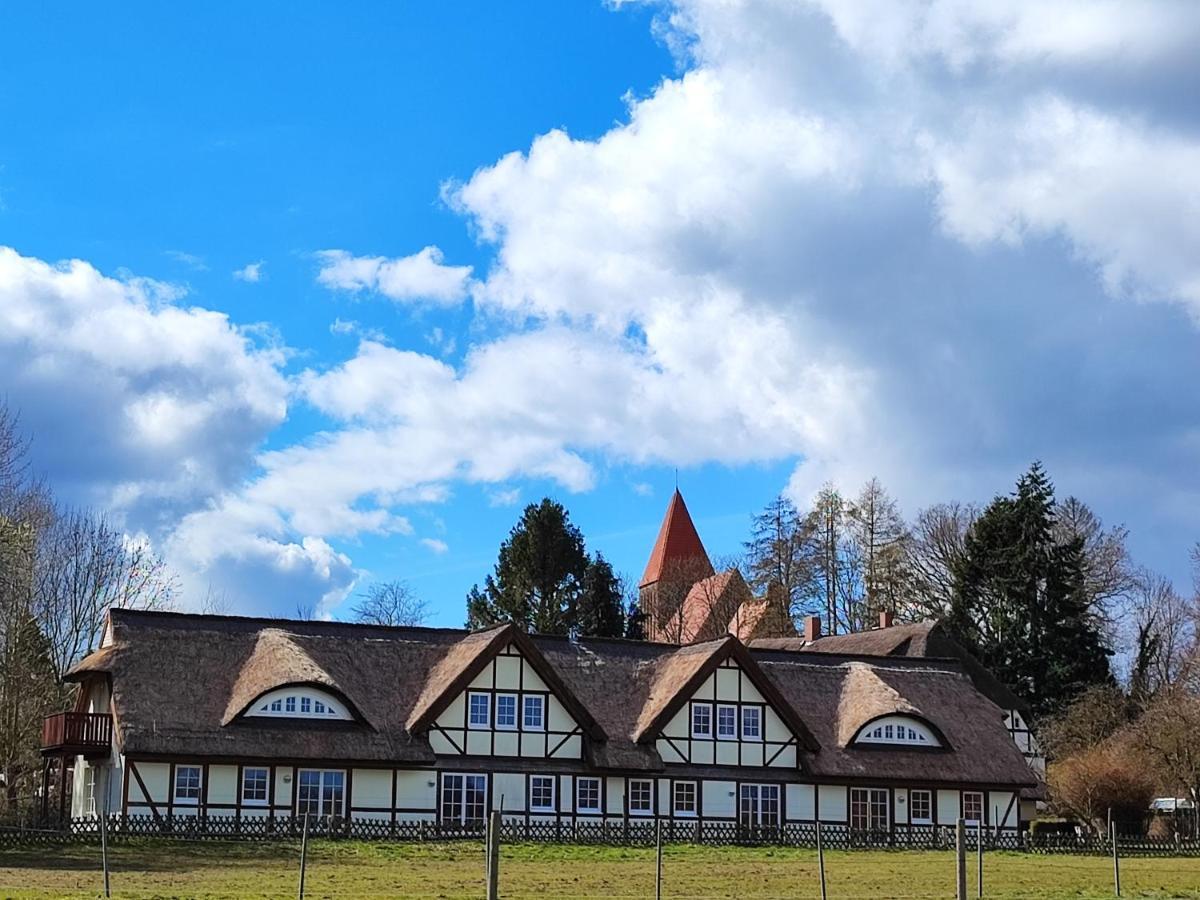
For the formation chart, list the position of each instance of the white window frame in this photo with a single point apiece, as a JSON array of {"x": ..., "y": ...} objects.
[
  {"x": 754, "y": 795},
  {"x": 89, "y": 791},
  {"x": 299, "y": 702},
  {"x": 253, "y": 801},
  {"x": 732, "y": 734},
  {"x": 185, "y": 800},
  {"x": 870, "y": 801},
  {"x": 543, "y": 780},
  {"x": 898, "y": 731},
  {"x": 707, "y": 709},
  {"x": 461, "y": 819},
  {"x": 579, "y": 783},
  {"x": 516, "y": 711},
  {"x": 638, "y": 811},
  {"x": 676, "y": 810},
  {"x": 758, "y": 723},
  {"x": 322, "y": 773},
  {"x": 540, "y": 702},
  {"x": 912, "y": 805},
  {"x": 486, "y": 724},
  {"x": 982, "y": 807}
]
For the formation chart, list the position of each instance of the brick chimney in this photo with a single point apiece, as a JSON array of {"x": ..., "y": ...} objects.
[
  {"x": 886, "y": 618},
  {"x": 812, "y": 628}
]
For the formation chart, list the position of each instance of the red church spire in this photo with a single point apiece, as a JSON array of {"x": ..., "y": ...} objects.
[{"x": 678, "y": 545}]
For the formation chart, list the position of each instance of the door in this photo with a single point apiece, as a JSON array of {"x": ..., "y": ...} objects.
[
  {"x": 464, "y": 799},
  {"x": 869, "y": 809},
  {"x": 758, "y": 804},
  {"x": 320, "y": 792}
]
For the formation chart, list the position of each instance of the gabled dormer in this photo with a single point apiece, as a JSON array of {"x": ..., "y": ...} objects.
[
  {"x": 712, "y": 705},
  {"x": 496, "y": 695}
]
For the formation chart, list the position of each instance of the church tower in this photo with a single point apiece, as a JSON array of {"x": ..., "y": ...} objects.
[{"x": 677, "y": 562}]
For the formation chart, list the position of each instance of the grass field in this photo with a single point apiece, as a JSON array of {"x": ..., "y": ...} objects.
[{"x": 164, "y": 869}]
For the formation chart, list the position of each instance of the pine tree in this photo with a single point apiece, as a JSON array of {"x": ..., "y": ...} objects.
[
  {"x": 538, "y": 577},
  {"x": 600, "y": 610},
  {"x": 1020, "y": 601}
]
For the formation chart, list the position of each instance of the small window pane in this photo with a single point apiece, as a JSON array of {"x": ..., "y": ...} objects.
[
  {"x": 641, "y": 796},
  {"x": 751, "y": 723},
  {"x": 587, "y": 792},
  {"x": 305, "y": 705},
  {"x": 727, "y": 722},
  {"x": 701, "y": 720},
  {"x": 541, "y": 793},
  {"x": 187, "y": 783},
  {"x": 506, "y": 711},
  {"x": 290, "y": 704},
  {"x": 254, "y": 785},
  {"x": 480, "y": 715},
  {"x": 685, "y": 798}
]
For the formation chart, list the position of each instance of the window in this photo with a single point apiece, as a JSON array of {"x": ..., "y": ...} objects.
[
  {"x": 972, "y": 805},
  {"x": 506, "y": 712},
  {"x": 751, "y": 723},
  {"x": 898, "y": 730},
  {"x": 89, "y": 796},
  {"x": 320, "y": 792},
  {"x": 920, "y": 807},
  {"x": 541, "y": 793},
  {"x": 587, "y": 795},
  {"x": 869, "y": 809},
  {"x": 464, "y": 799},
  {"x": 535, "y": 706},
  {"x": 758, "y": 804},
  {"x": 641, "y": 797},
  {"x": 683, "y": 801},
  {"x": 254, "y": 786},
  {"x": 701, "y": 720},
  {"x": 302, "y": 702},
  {"x": 187, "y": 784},
  {"x": 479, "y": 713},
  {"x": 727, "y": 723}
]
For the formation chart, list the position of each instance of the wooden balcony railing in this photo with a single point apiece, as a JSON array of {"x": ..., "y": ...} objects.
[{"x": 77, "y": 732}]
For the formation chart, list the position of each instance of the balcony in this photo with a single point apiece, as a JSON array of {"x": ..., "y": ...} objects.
[{"x": 74, "y": 734}]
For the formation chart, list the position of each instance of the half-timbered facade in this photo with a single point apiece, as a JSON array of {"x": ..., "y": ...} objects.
[{"x": 248, "y": 718}]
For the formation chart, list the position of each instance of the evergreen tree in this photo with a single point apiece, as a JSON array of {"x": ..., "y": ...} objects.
[
  {"x": 538, "y": 577},
  {"x": 600, "y": 610},
  {"x": 780, "y": 552},
  {"x": 1020, "y": 600},
  {"x": 635, "y": 622}
]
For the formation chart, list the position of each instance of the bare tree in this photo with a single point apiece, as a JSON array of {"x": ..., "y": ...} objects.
[
  {"x": 936, "y": 550},
  {"x": 827, "y": 527},
  {"x": 780, "y": 552},
  {"x": 1168, "y": 736},
  {"x": 84, "y": 567},
  {"x": 1108, "y": 574},
  {"x": 1162, "y": 634},
  {"x": 680, "y": 605},
  {"x": 390, "y": 603},
  {"x": 877, "y": 538}
]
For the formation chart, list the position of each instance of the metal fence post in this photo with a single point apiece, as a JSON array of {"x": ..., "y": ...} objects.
[
  {"x": 658, "y": 844},
  {"x": 303, "y": 855},
  {"x": 104, "y": 845},
  {"x": 979, "y": 856},
  {"x": 821, "y": 859},
  {"x": 493, "y": 851},
  {"x": 960, "y": 858},
  {"x": 1112, "y": 834}
]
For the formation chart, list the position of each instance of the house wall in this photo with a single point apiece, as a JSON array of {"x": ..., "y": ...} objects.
[
  {"x": 508, "y": 673},
  {"x": 391, "y": 794},
  {"x": 728, "y": 686}
]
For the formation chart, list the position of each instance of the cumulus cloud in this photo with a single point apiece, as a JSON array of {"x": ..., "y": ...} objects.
[
  {"x": 420, "y": 277},
  {"x": 251, "y": 272}
]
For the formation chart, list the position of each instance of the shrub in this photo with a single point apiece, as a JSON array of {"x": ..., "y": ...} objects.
[{"x": 1090, "y": 783}]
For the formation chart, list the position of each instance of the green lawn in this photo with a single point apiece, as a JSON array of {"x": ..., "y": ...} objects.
[{"x": 155, "y": 868}]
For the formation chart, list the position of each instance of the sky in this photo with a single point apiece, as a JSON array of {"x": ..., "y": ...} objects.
[{"x": 309, "y": 296}]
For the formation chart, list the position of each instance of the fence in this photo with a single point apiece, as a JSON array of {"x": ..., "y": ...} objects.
[{"x": 628, "y": 833}]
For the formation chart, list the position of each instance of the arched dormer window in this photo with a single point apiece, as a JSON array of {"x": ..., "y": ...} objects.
[
  {"x": 299, "y": 703},
  {"x": 898, "y": 730}
]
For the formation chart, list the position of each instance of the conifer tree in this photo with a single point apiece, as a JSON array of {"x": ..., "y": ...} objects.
[
  {"x": 600, "y": 611},
  {"x": 538, "y": 577},
  {"x": 1020, "y": 600}
]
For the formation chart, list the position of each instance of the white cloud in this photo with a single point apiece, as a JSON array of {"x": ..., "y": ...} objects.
[
  {"x": 420, "y": 277},
  {"x": 433, "y": 545},
  {"x": 251, "y": 272},
  {"x": 504, "y": 497},
  {"x": 191, "y": 260}
]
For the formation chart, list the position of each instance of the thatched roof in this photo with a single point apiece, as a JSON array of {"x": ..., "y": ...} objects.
[{"x": 180, "y": 682}]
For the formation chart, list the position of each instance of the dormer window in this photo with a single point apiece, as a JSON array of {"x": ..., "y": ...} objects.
[
  {"x": 898, "y": 731},
  {"x": 299, "y": 703}
]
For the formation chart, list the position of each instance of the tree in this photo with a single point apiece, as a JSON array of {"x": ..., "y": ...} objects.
[
  {"x": 1108, "y": 574},
  {"x": 1167, "y": 736},
  {"x": 936, "y": 551},
  {"x": 1163, "y": 636},
  {"x": 635, "y": 621},
  {"x": 877, "y": 539},
  {"x": 1092, "y": 718},
  {"x": 538, "y": 575},
  {"x": 1020, "y": 600},
  {"x": 1089, "y": 784},
  {"x": 600, "y": 611},
  {"x": 780, "y": 552},
  {"x": 825, "y": 523},
  {"x": 390, "y": 603}
]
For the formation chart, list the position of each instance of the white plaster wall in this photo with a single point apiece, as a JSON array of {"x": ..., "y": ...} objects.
[
  {"x": 801, "y": 799},
  {"x": 223, "y": 784},
  {"x": 832, "y": 802},
  {"x": 947, "y": 807}
]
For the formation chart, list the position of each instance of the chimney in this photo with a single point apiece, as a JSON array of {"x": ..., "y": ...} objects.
[
  {"x": 812, "y": 628},
  {"x": 886, "y": 618}
]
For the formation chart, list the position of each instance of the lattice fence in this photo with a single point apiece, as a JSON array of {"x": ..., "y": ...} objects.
[{"x": 630, "y": 833}]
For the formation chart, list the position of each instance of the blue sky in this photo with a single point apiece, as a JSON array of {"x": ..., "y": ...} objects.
[{"x": 352, "y": 285}]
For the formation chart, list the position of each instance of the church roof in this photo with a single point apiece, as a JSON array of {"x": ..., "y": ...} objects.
[{"x": 678, "y": 544}]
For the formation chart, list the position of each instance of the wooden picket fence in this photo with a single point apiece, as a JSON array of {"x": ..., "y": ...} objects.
[{"x": 627, "y": 833}]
